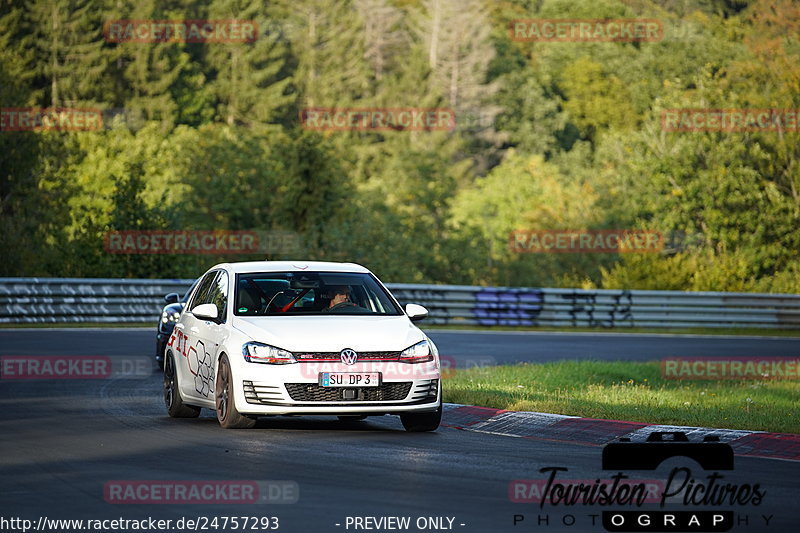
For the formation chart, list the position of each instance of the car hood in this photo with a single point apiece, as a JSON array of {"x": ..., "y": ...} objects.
[{"x": 332, "y": 333}]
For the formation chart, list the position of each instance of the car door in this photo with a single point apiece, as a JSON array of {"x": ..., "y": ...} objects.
[
  {"x": 210, "y": 333},
  {"x": 201, "y": 338}
]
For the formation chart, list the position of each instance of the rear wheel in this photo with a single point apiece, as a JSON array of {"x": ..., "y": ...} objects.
[
  {"x": 172, "y": 396},
  {"x": 422, "y": 421},
  {"x": 227, "y": 414}
]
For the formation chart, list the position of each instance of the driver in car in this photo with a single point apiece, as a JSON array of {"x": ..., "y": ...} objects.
[{"x": 340, "y": 301}]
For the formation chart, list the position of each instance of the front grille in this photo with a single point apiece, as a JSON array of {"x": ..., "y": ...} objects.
[
  {"x": 312, "y": 392},
  {"x": 335, "y": 356}
]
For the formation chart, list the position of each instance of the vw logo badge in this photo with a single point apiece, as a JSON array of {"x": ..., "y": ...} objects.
[{"x": 349, "y": 357}]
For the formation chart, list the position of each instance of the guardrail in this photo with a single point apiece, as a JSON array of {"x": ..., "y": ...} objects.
[{"x": 64, "y": 300}]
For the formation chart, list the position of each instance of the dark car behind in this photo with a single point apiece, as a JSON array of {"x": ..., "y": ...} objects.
[{"x": 169, "y": 316}]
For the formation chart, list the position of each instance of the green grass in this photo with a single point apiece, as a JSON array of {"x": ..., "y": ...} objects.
[{"x": 629, "y": 391}]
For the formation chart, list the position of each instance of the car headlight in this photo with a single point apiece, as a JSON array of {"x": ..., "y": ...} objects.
[
  {"x": 419, "y": 353},
  {"x": 257, "y": 352},
  {"x": 173, "y": 317}
]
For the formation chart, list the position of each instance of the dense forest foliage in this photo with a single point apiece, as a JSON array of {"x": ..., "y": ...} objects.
[{"x": 549, "y": 135}]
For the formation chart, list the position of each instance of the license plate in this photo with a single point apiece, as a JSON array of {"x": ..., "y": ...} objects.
[{"x": 350, "y": 379}]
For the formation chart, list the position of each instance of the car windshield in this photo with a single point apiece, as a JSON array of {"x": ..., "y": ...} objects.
[{"x": 311, "y": 293}]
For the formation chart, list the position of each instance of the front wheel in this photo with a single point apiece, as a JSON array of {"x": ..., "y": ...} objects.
[
  {"x": 227, "y": 414},
  {"x": 172, "y": 396},
  {"x": 422, "y": 421}
]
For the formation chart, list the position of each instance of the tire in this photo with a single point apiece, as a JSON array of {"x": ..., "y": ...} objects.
[
  {"x": 172, "y": 395},
  {"x": 227, "y": 414},
  {"x": 352, "y": 418},
  {"x": 417, "y": 422}
]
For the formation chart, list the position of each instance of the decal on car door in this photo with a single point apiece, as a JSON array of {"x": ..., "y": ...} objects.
[
  {"x": 198, "y": 361},
  {"x": 200, "y": 366}
]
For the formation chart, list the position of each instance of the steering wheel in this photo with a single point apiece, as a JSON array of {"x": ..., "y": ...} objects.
[{"x": 340, "y": 305}]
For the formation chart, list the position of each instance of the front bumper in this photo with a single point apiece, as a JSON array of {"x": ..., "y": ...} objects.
[{"x": 295, "y": 389}]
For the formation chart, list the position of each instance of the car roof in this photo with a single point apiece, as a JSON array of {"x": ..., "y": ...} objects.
[{"x": 291, "y": 266}]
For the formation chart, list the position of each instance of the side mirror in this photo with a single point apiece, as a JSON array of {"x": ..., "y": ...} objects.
[
  {"x": 416, "y": 312},
  {"x": 206, "y": 312},
  {"x": 172, "y": 298}
]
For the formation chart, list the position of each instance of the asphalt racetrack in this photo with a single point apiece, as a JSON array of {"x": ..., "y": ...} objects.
[{"x": 62, "y": 442}]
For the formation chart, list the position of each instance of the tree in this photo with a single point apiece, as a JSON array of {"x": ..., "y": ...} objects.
[
  {"x": 146, "y": 73},
  {"x": 526, "y": 193},
  {"x": 769, "y": 77},
  {"x": 251, "y": 80},
  {"x": 385, "y": 37},
  {"x": 329, "y": 50},
  {"x": 534, "y": 120},
  {"x": 69, "y": 51},
  {"x": 32, "y": 185},
  {"x": 595, "y": 100},
  {"x": 455, "y": 34}
]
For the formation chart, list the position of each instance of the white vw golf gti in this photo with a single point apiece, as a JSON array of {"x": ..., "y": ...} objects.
[{"x": 276, "y": 338}]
